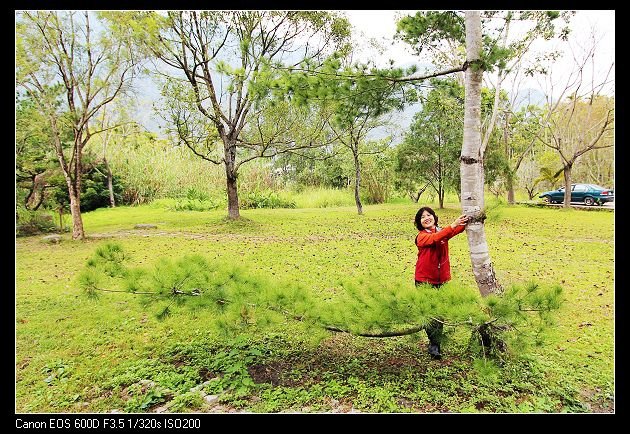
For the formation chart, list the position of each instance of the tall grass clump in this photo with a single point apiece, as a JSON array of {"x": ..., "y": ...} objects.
[
  {"x": 34, "y": 222},
  {"x": 195, "y": 200},
  {"x": 156, "y": 169},
  {"x": 322, "y": 197}
]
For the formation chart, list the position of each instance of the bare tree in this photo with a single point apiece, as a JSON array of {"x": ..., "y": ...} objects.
[
  {"x": 67, "y": 66},
  {"x": 581, "y": 118},
  {"x": 228, "y": 59}
]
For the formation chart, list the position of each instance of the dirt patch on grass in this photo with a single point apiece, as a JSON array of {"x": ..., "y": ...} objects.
[
  {"x": 596, "y": 402},
  {"x": 274, "y": 373}
]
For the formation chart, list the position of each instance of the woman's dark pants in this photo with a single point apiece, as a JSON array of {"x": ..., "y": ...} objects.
[{"x": 434, "y": 331}]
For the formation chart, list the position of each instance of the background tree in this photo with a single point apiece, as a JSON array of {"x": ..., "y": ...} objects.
[
  {"x": 313, "y": 167},
  {"x": 34, "y": 160},
  {"x": 378, "y": 171},
  {"x": 228, "y": 58},
  {"x": 61, "y": 55},
  {"x": 95, "y": 186},
  {"x": 597, "y": 166},
  {"x": 359, "y": 97},
  {"x": 518, "y": 145},
  {"x": 111, "y": 124},
  {"x": 429, "y": 152},
  {"x": 549, "y": 174},
  {"x": 278, "y": 128},
  {"x": 584, "y": 120},
  {"x": 359, "y": 108}
]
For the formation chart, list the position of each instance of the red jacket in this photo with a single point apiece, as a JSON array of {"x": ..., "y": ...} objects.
[{"x": 433, "y": 265}]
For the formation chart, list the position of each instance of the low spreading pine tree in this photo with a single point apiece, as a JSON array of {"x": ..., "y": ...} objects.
[{"x": 240, "y": 299}]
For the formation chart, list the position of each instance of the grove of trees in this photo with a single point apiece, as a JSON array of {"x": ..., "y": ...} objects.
[{"x": 271, "y": 100}]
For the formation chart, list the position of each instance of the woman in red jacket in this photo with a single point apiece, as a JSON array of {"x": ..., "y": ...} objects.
[{"x": 433, "y": 264}]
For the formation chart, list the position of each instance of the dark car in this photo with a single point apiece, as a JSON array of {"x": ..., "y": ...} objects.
[{"x": 590, "y": 194}]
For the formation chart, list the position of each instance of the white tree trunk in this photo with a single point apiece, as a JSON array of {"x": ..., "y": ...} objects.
[
  {"x": 77, "y": 221},
  {"x": 471, "y": 166}
]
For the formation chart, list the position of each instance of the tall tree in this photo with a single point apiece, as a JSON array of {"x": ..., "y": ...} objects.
[
  {"x": 66, "y": 64},
  {"x": 228, "y": 59},
  {"x": 484, "y": 52},
  {"x": 518, "y": 136},
  {"x": 472, "y": 174},
  {"x": 360, "y": 106},
  {"x": 429, "y": 152},
  {"x": 107, "y": 134},
  {"x": 359, "y": 96}
]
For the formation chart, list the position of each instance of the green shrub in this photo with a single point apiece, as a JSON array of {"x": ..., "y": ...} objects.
[
  {"x": 265, "y": 199},
  {"x": 33, "y": 223},
  {"x": 186, "y": 401},
  {"x": 195, "y": 205}
]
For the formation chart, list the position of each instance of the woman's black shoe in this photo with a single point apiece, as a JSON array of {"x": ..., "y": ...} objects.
[{"x": 434, "y": 351}]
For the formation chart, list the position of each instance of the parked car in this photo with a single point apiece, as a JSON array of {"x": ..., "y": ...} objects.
[{"x": 590, "y": 194}]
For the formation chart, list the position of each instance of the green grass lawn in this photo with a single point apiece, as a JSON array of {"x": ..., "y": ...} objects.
[{"x": 76, "y": 354}]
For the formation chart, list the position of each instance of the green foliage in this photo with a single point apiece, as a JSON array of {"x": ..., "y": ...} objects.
[
  {"x": 196, "y": 205},
  {"x": 265, "y": 199},
  {"x": 186, "y": 402},
  {"x": 57, "y": 371},
  {"x": 233, "y": 366},
  {"x": 141, "y": 399},
  {"x": 33, "y": 223},
  {"x": 322, "y": 198},
  {"x": 377, "y": 170},
  {"x": 526, "y": 308},
  {"x": 430, "y": 149},
  {"x": 314, "y": 168},
  {"x": 109, "y": 257},
  {"x": 196, "y": 200},
  {"x": 237, "y": 299},
  {"x": 375, "y": 398},
  {"x": 427, "y": 29},
  {"x": 95, "y": 191},
  {"x": 234, "y": 297},
  {"x": 150, "y": 168}
]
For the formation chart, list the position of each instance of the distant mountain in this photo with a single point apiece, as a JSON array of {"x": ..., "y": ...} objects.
[
  {"x": 529, "y": 96},
  {"x": 403, "y": 119}
]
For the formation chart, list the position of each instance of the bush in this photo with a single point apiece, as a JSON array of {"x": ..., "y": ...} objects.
[
  {"x": 265, "y": 199},
  {"x": 197, "y": 200},
  {"x": 195, "y": 205},
  {"x": 33, "y": 223}
]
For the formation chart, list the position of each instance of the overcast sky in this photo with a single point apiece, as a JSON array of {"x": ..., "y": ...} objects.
[{"x": 381, "y": 24}]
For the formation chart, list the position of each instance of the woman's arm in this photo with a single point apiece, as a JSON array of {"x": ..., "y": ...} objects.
[{"x": 425, "y": 238}]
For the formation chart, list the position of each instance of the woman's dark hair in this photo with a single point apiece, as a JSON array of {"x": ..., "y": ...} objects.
[{"x": 419, "y": 216}]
